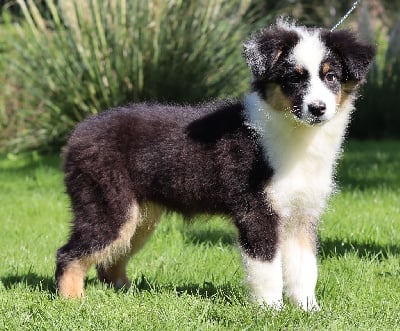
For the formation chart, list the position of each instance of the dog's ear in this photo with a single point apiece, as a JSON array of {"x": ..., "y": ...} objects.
[
  {"x": 265, "y": 48},
  {"x": 356, "y": 55}
]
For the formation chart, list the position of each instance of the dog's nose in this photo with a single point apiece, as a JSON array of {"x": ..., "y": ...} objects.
[{"x": 317, "y": 108}]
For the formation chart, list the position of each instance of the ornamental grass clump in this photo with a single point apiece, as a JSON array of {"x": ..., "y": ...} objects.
[
  {"x": 81, "y": 57},
  {"x": 378, "y": 114}
]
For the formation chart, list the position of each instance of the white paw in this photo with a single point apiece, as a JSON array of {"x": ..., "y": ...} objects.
[
  {"x": 308, "y": 304},
  {"x": 274, "y": 302}
]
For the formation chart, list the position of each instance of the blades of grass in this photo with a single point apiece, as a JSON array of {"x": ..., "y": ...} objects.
[
  {"x": 37, "y": 17},
  {"x": 97, "y": 21},
  {"x": 54, "y": 12},
  {"x": 77, "y": 40},
  {"x": 28, "y": 17},
  {"x": 95, "y": 50}
]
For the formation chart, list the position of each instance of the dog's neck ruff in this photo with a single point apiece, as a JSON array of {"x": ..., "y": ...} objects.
[
  {"x": 282, "y": 136},
  {"x": 303, "y": 157}
]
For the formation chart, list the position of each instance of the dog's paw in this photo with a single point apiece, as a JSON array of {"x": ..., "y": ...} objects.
[
  {"x": 272, "y": 302},
  {"x": 308, "y": 304}
]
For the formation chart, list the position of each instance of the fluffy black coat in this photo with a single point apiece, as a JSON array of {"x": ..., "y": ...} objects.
[{"x": 141, "y": 153}]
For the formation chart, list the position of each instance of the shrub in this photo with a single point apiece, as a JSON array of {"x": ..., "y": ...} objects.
[
  {"x": 378, "y": 113},
  {"x": 90, "y": 56}
]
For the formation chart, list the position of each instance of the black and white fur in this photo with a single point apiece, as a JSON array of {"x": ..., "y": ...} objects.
[{"x": 267, "y": 162}]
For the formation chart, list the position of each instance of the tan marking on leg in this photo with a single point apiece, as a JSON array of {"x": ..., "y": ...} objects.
[
  {"x": 121, "y": 245},
  {"x": 115, "y": 274},
  {"x": 112, "y": 260},
  {"x": 300, "y": 270},
  {"x": 70, "y": 284},
  {"x": 151, "y": 214},
  {"x": 305, "y": 239},
  {"x": 112, "y": 269}
]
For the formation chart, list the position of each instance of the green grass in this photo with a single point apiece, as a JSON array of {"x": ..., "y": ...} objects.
[{"x": 190, "y": 276}]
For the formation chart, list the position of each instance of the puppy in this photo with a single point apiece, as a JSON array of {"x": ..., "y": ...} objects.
[{"x": 266, "y": 162}]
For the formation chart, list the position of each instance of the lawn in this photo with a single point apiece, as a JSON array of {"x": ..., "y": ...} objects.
[{"x": 189, "y": 276}]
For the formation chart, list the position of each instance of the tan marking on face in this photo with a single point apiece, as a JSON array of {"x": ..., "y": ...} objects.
[
  {"x": 277, "y": 100},
  {"x": 277, "y": 55},
  {"x": 339, "y": 97},
  {"x": 346, "y": 90},
  {"x": 299, "y": 70},
  {"x": 325, "y": 68}
]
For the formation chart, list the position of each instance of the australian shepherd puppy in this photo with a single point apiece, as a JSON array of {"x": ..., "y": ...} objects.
[{"x": 266, "y": 162}]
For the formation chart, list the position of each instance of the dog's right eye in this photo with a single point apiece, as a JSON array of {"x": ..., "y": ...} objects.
[
  {"x": 330, "y": 76},
  {"x": 294, "y": 78}
]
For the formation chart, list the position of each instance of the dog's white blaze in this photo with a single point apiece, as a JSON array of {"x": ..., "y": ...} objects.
[
  {"x": 319, "y": 92},
  {"x": 265, "y": 280},
  {"x": 303, "y": 159},
  {"x": 300, "y": 273},
  {"x": 309, "y": 54}
]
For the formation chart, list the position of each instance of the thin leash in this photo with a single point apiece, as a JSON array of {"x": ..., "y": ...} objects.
[{"x": 355, "y": 4}]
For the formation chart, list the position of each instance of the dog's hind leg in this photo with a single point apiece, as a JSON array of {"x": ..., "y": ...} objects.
[
  {"x": 75, "y": 258},
  {"x": 88, "y": 245},
  {"x": 70, "y": 275},
  {"x": 105, "y": 219},
  {"x": 114, "y": 273}
]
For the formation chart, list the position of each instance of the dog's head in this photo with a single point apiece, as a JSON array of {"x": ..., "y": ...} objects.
[{"x": 308, "y": 73}]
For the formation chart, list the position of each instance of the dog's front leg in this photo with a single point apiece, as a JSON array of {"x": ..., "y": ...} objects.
[
  {"x": 265, "y": 280},
  {"x": 300, "y": 269},
  {"x": 258, "y": 238}
]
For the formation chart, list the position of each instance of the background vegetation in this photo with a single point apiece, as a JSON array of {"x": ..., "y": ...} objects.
[
  {"x": 76, "y": 58},
  {"x": 63, "y": 60}
]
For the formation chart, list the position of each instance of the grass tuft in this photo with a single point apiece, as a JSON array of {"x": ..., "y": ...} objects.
[{"x": 80, "y": 58}]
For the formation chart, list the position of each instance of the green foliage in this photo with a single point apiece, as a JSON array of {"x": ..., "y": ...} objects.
[
  {"x": 93, "y": 55},
  {"x": 378, "y": 111},
  {"x": 189, "y": 276}
]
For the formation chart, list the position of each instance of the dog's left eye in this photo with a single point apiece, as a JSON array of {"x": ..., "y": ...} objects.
[{"x": 330, "y": 77}]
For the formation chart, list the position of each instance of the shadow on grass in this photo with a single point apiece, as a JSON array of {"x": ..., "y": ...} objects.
[
  {"x": 210, "y": 236},
  {"x": 35, "y": 282},
  {"x": 46, "y": 284},
  {"x": 206, "y": 290},
  {"x": 30, "y": 280},
  {"x": 370, "y": 165},
  {"x": 336, "y": 247}
]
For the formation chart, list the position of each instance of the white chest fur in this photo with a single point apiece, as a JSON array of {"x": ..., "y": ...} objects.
[{"x": 302, "y": 157}]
